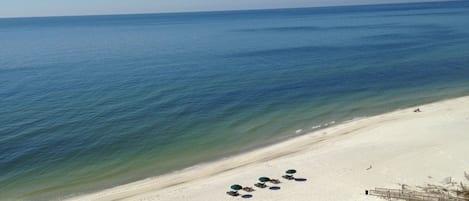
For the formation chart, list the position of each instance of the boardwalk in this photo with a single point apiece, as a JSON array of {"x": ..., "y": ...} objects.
[{"x": 397, "y": 194}]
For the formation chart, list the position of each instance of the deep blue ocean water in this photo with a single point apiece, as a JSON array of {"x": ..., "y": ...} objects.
[{"x": 87, "y": 103}]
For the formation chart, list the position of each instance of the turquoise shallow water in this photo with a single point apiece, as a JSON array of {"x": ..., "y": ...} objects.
[{"x": 92, "y": 102}]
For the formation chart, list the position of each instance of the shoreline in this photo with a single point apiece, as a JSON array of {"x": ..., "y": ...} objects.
[{"x": 306, "y": 144}]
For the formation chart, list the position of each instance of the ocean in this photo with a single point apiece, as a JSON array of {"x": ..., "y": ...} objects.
[{"x": 91, "y": 102}]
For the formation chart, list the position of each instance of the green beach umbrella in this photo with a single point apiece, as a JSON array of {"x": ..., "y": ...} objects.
[
  {"x": 291, "y": 171},
  {"x": 236, "y": 187},
  {"x": 264, "y": 179}
]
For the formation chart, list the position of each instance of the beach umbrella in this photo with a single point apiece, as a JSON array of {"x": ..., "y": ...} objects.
[
  {"x": 291, "y": 171},
  {"x": 264, "y": 179},
  {"x": 236, "y": 187}
]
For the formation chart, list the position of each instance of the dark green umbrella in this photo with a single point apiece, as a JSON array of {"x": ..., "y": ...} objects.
[
  {"x": 264, "y": 179},
  {"x": 236, "y": 187},
  {"x": 291, "y": 171}
]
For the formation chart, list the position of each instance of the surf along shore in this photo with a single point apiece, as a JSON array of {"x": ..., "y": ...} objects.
[{"x": 338, "y": 163}]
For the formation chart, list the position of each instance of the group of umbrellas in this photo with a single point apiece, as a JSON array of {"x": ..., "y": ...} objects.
[{"x": 263, "y": 180}]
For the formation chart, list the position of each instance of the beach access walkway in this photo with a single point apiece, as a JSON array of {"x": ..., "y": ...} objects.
[{"x": 408, "y": 195}]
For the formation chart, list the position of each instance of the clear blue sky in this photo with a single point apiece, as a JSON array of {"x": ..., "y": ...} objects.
[{"x": 23, "y": 8}]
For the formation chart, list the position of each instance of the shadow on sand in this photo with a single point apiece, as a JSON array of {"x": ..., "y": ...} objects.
[
  {"x": 300, "y": 179},
  {"x": 275, "y": 188},
  {"x": 247, "y": 196}
]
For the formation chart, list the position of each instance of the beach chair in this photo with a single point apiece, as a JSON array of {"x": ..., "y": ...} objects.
[
  {"x": 275, "y": 181},
  {"x": 248, "y": 189},
  {"x": 260, "y": 185},
  {"x": 289, "y": 177},
  {"x": 232, "y": 193}
]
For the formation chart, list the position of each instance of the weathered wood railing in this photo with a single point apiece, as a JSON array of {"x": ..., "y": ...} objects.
[{"x": 408, "y": 195}]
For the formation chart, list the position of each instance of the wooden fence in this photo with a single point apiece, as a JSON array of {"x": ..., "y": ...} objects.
[{"x": 408, "y": 195}]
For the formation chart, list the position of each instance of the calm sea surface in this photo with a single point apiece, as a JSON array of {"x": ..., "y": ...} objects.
[{"x": 87, "y": 103}]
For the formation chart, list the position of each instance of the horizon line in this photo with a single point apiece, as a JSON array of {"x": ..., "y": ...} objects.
[{"x": 228, "y": 10}]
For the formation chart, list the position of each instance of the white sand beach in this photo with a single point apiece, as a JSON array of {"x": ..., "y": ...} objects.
[{"x": 339, "y": 163}]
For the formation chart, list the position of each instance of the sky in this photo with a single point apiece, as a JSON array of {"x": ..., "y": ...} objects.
[{"x": 30, "y": 8}]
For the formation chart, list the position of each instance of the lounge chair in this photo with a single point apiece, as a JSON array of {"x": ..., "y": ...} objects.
[
  {"x": 232, "y": 193},
  {"x": 260, "y": 185},
  {"x": 248, "y": 189},
  {"x": 289, "y": 177},
  {"x": 275, "y": 181}
]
